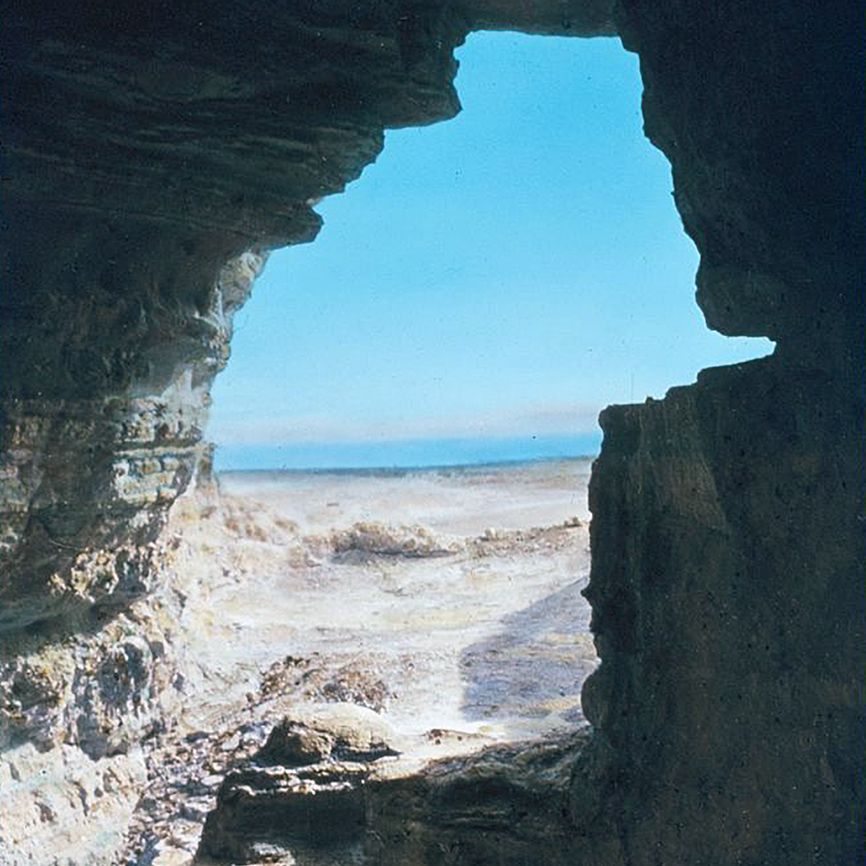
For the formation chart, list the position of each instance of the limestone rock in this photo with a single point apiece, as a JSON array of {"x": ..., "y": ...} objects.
[
  {"x": 318, "y": 732},
  {"x": 504, "y": 804},
  {"x": 304, "y": 789},
  {"x": 374, "y": 539}
]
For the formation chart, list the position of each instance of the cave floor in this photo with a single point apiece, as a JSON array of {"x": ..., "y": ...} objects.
[{"x": 447, "y": 601}]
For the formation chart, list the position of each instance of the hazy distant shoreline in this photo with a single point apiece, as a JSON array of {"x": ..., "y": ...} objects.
[
  {"x": 385, "y": 457},
  {"x": 400, "y": 471}
]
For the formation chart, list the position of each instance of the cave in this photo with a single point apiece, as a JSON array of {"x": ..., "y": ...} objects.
[{"x": 153, "y": 154}]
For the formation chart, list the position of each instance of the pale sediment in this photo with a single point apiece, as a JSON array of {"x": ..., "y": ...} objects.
[{"x": 457, "y": 642}]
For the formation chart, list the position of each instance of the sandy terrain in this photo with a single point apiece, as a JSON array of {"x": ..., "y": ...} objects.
[
  {"x": 463, "y": 501},
  {"x": 445, "y": 600},
  {"x": 481, "y": 625}
]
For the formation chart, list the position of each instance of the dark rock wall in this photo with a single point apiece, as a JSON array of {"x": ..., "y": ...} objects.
[
  {"x": 760, "y": 113},
  {"x": 145, "y": 147},
  {"x": 727, "y": 535},
  {"x": 727, "y": 607}
]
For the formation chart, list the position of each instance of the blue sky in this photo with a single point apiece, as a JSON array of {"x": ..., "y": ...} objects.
[{"x": 504, "y": 274}]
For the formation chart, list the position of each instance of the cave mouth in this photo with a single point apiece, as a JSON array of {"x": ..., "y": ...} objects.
[
  {"x": 727, "y": 545},
  {"x": 443, "y": 273},
  {"x": 485, "y": 287},
  {"x": 712, "y": 596}
]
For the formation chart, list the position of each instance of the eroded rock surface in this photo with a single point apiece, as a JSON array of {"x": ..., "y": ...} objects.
[
  {"x": 261, "y": 616},
  {"x": 356, "y": 805},
  {"x": 342, "y": 732},
  {"x": 87, "y": 480},
  {"x": 738, "y": 607},
  {"x": 304, "y": 789}
]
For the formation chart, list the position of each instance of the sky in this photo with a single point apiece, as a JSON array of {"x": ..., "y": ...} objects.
[{"x": 491, "y": 282}]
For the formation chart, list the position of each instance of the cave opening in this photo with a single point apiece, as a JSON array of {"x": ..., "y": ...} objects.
[
  {"x": 406, "y": 428},
  {"x": 503, "y": 275},
  {"x": 144, "y": 152}
]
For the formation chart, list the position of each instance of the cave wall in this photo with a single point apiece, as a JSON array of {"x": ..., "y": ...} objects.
[
  {"x": 154, "y": 153},
  {"x": 145, "y": 148},
  {"x": 727, "y": 533}
]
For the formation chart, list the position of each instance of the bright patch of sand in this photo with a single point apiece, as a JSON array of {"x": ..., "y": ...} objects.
[{"x": 457, "y": 605}]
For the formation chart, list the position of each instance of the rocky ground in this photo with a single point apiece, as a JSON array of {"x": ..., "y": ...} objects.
[{"x": 444, "y": 605}]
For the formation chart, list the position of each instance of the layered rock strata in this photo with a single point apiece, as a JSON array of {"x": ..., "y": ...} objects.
[
  {"x": 331, "y": 787},
  {"x": 87, "y": 478},
  {"x": 310, "y": 775}
]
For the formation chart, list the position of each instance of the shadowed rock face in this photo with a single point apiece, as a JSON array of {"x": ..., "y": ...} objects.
[
  {"x": 727, "y": 542},
  {"x": 153, "y": 154},
  {"x": 730, "y": 623}
]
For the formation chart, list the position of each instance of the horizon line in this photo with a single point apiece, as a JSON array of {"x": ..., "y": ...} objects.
[
  {"x": 420, "y": 453},
  {"x": 367, "y": 441},
  {"x": 400, "y": 469}
]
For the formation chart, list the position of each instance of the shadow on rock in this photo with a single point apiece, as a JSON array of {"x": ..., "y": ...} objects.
[{"x": 535, "y": 666}]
